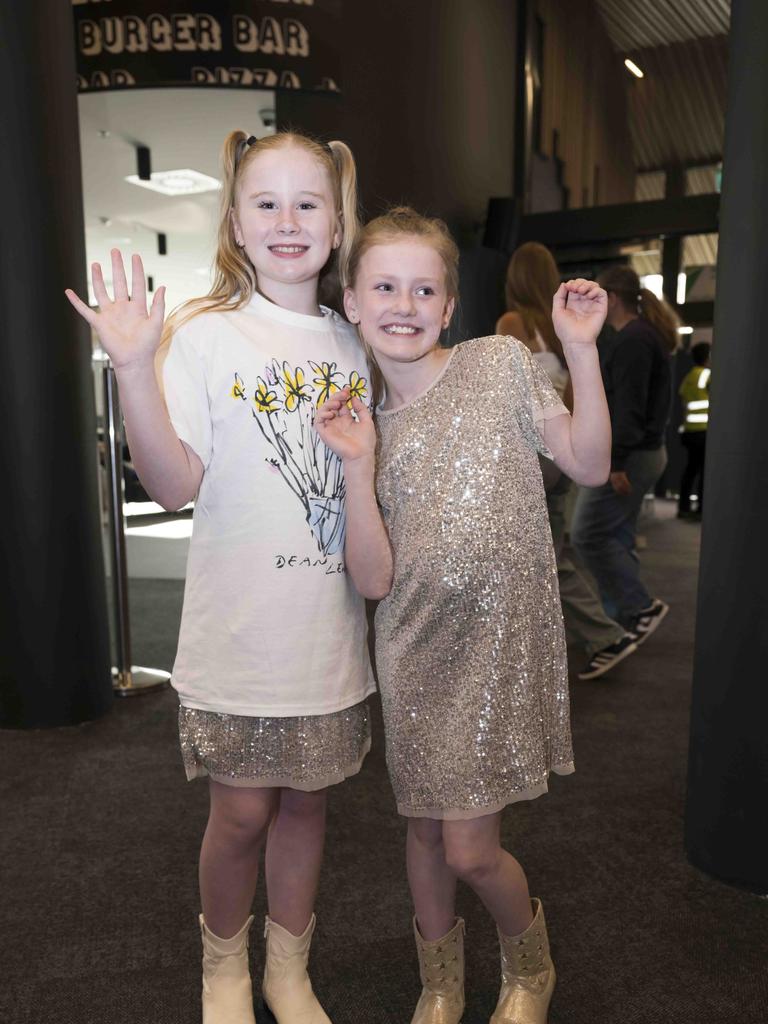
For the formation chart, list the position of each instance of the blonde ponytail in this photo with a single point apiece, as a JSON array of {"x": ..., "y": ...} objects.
[{"x": 346, "y": 174}]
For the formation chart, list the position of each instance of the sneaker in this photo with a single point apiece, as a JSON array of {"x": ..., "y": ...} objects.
[
  {"x": 648, "y": 620},
  {"x": 602, "y": 661}
]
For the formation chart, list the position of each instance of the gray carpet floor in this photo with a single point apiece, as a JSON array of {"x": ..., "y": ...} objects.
[{"x": 100, "y": 833}]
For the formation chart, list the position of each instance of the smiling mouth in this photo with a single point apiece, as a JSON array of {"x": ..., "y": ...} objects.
[
  {"x": 288, "y": 250},
  {"x": 404, "y": 330}
]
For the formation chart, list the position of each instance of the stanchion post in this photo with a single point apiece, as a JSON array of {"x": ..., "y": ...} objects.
[{"x": 128, "y": 680}]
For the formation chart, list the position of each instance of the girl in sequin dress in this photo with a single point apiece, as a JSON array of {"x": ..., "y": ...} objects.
[
  {"x": 469, "y": 634},
  {"x": 272, "y": 667}
]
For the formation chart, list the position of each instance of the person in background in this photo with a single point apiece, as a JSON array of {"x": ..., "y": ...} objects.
[
  {"x": 532, "y": 280},
  {"x": 638, "y": 384},
  {"x": 694, "y": 392}
]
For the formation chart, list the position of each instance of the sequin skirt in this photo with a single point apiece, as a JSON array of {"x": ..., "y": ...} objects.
[{"x": 306, "y": 753}]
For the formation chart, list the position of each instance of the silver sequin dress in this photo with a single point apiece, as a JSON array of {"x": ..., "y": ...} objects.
[{"x": 470, "y": 645}]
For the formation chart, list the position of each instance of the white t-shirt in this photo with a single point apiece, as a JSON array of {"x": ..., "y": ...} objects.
[{"x": 272, "y": 624}]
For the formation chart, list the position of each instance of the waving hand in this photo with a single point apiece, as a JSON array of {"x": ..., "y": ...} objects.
[{"x": 128, "y": 332}]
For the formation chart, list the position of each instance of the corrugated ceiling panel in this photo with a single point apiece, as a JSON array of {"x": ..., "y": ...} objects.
[
  {"x": 677, "y": 111},
  {"x": 636, "y": 24}
]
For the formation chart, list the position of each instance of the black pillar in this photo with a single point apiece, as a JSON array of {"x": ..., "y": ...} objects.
[
  {"x": 54, "y": 642},
  {"x": 725, "y": 831}
]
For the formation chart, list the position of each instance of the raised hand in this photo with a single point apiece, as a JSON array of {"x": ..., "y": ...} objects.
[
  {"x": 578, "y": 311},
  {"x": 128, "y": 333},
  {"x": 352, "y": 437}
]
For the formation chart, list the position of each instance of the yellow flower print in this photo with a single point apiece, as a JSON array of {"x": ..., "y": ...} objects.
[
  {"x": 296, "y": 391},
  {"x": 357, "y": 385},
  {"x": 238, "y": 388},
  {"x": 265, "y": 400},
  {"x": 325, "y": 380}
]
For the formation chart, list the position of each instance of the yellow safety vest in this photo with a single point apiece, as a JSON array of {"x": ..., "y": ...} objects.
[{"x": 694, "y": 392}]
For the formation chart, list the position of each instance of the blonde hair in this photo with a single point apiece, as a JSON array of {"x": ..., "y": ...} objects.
[
  {"x": 532, "y": 280},
  {"x": 625, "y": 285},
  {"x": 234, "y": 280},
  {"x": 397, "y": 223}
]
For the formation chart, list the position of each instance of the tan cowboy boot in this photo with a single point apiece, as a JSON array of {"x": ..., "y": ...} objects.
[
  {"x": 287, "y": 989},
  {"x": 441, "y": 966},
  {"x": 527, "y": 974},
  {"x": 227, "y": 993}
]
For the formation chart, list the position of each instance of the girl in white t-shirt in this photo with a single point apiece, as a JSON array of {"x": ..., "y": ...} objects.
[{"x": 272, "y": 668}]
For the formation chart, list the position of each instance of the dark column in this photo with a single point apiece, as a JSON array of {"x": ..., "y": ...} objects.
[
  {"x": 54, "y": 646},
  {"x": 523, "y": 106},
  {"x": 672, "y": 246},
  {"x": 725, "y": 830}
]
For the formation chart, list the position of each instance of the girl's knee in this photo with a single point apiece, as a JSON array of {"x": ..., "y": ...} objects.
[
  {"x": 469, "y": 860},
  {"x": 241, "y": 817}
]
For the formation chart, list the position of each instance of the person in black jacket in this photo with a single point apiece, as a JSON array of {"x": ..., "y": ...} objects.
[{"x": 636, "y": 365}]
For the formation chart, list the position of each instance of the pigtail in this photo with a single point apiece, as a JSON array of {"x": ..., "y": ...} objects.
[
  {"x": 625, "y": 284},
  {"x": 661, "y": 316},
  {"x": 346, "y": 173}
]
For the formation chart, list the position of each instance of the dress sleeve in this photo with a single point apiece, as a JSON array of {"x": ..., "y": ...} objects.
[
  {"x": 186, "y": 396},
  {"x": 538, "y": 399}
]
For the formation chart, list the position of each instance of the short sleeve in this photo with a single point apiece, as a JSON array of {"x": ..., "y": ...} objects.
[
  {"x": 539, "y": 401},
  {"x": 186, "y": 396}
]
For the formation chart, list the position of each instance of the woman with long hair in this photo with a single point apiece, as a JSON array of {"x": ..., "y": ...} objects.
[
  {"x": 532, "y": 280},
  {"x": 638, "y": 382}
]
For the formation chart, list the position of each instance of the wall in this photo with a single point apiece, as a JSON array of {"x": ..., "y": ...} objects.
[
  {"x": 427, "y": 106},
  {"x": 584, "y": 101}
]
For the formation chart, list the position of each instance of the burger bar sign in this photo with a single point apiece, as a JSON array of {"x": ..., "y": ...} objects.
[{"x": 259, "y": 44}]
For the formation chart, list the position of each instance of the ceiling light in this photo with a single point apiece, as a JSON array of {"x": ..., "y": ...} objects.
[
  {"x": 177, "y": 183},
  {"x": 685, "y": 330},
  {"x": 631, "y": 66},
  {"x": 682, "y": 281}
]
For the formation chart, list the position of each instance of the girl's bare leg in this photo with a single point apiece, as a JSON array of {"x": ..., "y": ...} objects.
[
  {"x": 229, "y": 858},
  {"x": 432, "y": 882},
  {"x": 294, "y": 855},
  {"x": 474, "y": 852}
]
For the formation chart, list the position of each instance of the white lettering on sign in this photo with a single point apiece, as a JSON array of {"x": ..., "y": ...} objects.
[
  {"x": 291, "y": 39},
  {"x": 117, "y": 78},
  {"x": 131, "y": 34},
  {"x": 259, "y": 78}
]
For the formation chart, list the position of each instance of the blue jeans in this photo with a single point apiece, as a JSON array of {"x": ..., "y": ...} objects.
[
  {"x": 585, "y": 621},
  {"x": 603, "y": 533}
]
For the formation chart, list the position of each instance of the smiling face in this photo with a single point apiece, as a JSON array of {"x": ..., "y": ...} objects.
[
  {"x": 285, "y": 218},
  {"x": 399, "y": 298}
]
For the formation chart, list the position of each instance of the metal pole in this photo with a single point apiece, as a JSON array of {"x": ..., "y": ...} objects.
[{"x": 128, "y": 680}]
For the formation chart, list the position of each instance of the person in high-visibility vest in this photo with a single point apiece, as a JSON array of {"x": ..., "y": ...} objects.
[{"x": 694, "y": 392}]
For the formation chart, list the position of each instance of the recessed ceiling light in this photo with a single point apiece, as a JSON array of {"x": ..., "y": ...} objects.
[
  {"x": 631, "y": 66},
  {"x": 184, "y": 182},
  {"x": 685, "y": 330}
]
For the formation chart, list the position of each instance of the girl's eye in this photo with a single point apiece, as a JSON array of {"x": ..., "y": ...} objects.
[
  {"x": 307, "y": 206},
  {"x": 426, "y": 290},
  {"x": 383, "y": 287},
  {"x": 266, "y": 204}
]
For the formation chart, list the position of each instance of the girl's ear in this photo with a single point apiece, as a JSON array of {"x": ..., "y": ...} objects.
[
  {"x": 236, "y": 228},
  {"x": 336, "y": 240},
  {"x": 448, "y": 312},
  {"x": 350, "y": 306}
]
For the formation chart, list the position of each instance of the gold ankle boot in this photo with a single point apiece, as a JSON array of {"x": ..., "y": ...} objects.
[
  {"x": 527, "y": 974},
  {"x": 227, "y": 993},
  {"x": 287, "y": 989},
  {"x": 441, "y": 966}
]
